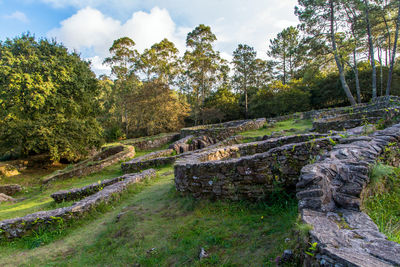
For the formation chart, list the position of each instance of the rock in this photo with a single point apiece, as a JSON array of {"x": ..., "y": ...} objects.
[
  {"x": 5, "y": 198},
  {"x": 8, "y": 170},
  {"x": 203, "y": 254},
  {"x": 287, "y": 256},
  {"x": 10, "y": 189}
]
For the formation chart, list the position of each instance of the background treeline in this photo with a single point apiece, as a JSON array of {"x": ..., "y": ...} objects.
[{"x": 341, "y": 53}]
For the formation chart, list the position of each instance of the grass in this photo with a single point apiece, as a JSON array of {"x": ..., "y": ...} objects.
[
  {"x": 157, "y": 227},
  {"x": 289, "y": 126},
  {"x": 382, "y": 200},
  {"x": 36, "y": 197}
]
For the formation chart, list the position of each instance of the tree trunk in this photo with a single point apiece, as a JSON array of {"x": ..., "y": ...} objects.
[
  {"x": 338, "y": 63},
  {"x": 246, "y": 109},
  {"x": 381, "y": 70},
  {"x": 388, "y": 32},
  {"x": 396, "y": 37},
  {"x": 371, "y": 49},
  {"x": 358, "y": 90}
]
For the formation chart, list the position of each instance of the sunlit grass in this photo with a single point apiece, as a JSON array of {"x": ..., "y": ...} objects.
[
  {"x": 382, "y": 202},
  {"x": 36, "y": 197},
  {"x": 158, "y": 227},
  {"x": 294, "y": 125}
]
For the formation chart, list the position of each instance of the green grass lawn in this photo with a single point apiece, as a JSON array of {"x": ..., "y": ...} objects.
[
  {"x": 296, "y": 126},
  {"x": 158, "y": 227},
  {"x": 36, "y": 197},
  {"x": 382, "y": 203}
]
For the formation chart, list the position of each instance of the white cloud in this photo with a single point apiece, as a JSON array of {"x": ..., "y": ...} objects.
[
  {"x": 17, "y": 15},
  {"x": 91, "y": 31},
  {"x": 99, "y": 22}
]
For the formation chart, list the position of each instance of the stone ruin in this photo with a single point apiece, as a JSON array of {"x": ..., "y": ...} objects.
[
  {"x": 18, "y": 227},
  {"x": 224, "y": 130},
  {"x": 105, "y": 158},
  {"x": 383, "y": 109},
  {"x": 193, "y": 140},
  {"x": 152, "y": 142},
  {"x": 250, "y": 170}
]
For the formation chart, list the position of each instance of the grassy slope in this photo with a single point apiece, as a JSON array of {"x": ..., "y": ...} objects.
[
  {"x": 297, "y": 126},
  {"x": 234, "y": 234},
  {"x": 37, "y": 198},
  {"x": 382, "y": 203}
]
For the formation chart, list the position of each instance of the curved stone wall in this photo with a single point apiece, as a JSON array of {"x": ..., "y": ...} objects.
[
  {"x": 224, "y": 130},
  {"x": 347, "y": 121},
  {"x": 98, "y": 162},
  {"x": 165, "y": 157},
  {"x": 248, "y": 171},
  {"x": 152, "y": 142},
  {"x": 329, "y": 193},
  {"x": 22, "y": 226}
]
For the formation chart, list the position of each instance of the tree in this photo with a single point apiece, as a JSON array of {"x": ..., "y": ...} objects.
[
  {"x": 123, "y": 61},
  {"x": 319, "y": 19},
  {"x": 157, "y": 109},
  {"x": 389, "y": 82},
  {"x": 161, "y": 62},
  {"x": 202, "y": 66},
  {"x": 284, "y": 49},
  {"x": 48, "y": 98},
  {"x": 371, "y": 47},
  {"x": 244, "y": 61}
]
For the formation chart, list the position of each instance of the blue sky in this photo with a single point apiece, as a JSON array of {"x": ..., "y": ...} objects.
[{"x": 90, "y": 26}]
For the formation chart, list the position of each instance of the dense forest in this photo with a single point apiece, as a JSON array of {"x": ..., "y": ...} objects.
[{"x": 342, "y": 52}]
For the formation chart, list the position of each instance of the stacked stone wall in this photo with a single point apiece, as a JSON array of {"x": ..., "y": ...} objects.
[
  {"x": 223, "y": 130},
  {"x": 98, "y": 162},
  {"x": 152, "y": 142},
  {"x": 167, "y": 157},
  {"x": 248, "y": 171}
]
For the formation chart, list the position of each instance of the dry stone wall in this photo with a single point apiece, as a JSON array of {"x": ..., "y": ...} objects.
[
  {"x": 248, "y": 171},
  {"x": 382, "y": 109},
  {"x": 329, "y": 193},
  {"x": 98, "y": 162},
  {"x": 192, "y": 143},
  {"x": 18, "y": 227},
  {"x": 152, "y": 142},
  {"x": 10, "y": 189},
  {"x": 79, "y": 193},
  {"x": 222, "y": 131},
  {"x": 165, "y": 157}
]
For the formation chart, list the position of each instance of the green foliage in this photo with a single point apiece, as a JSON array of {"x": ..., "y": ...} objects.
[
  {"x": 278, "y": 100},
  {"x": 48, "y": 100}
]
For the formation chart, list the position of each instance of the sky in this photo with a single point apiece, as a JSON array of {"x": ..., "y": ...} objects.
[{"x": 91, "y": 26}]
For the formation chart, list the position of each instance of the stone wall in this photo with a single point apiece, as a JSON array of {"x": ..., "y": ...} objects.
[
  {"x": 166, "y": 157},
  {"x": 222, "y": 131},
  {"x": 10, "y": 189},
  {"x": 18, "y": 227},
  {"x": 351, "y": 120},
  {"x": 329, "y": 193},
  {"x": 105, "y": 158},
  {"x": 152, "y": 142},
  {"x": 192, "y": 143},
  {"x": 248, "y": 171},
  {"x": 79, "y": 193}
]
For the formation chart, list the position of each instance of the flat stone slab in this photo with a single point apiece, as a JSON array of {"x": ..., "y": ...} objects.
[{"x": 329, "y": 193}]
